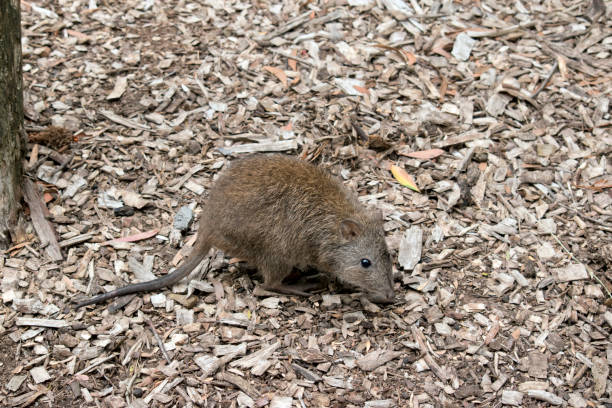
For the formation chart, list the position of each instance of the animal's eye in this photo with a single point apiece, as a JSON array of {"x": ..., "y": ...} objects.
[{"x": 366, "y": 263}]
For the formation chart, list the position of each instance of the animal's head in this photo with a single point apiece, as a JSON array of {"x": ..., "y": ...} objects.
[{"x": 362, "y": 258}]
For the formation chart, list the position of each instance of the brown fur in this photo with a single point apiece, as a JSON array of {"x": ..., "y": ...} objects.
[{"x": 277, "y": 212}]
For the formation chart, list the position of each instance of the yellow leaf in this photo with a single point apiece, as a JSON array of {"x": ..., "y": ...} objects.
[{"x": 404, "y": 178}]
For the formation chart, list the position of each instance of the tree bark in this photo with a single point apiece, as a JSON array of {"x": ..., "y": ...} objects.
[{"x": 12, "y": 144}]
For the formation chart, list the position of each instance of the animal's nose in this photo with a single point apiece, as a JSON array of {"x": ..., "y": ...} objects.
[{"x": 388, "y": 296}]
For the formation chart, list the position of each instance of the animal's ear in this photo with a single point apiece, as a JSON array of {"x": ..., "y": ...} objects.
[{"x": 350, "y": 229}]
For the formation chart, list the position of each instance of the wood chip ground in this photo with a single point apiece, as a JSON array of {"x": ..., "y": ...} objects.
[{"x": 497, "y": 111}]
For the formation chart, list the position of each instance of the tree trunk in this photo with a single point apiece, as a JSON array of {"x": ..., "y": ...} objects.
[{"x": 12, "y": 144}]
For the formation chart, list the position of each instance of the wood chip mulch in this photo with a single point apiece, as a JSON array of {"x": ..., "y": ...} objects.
[{"x": 497, "y": 111}]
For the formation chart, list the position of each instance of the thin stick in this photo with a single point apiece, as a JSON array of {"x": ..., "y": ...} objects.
[
  {"x": 550, "y": 74},
  {"x": 501, "y": 31},
  {"x": 159, "y": 341},
  {"x": 298, "y": 59}
]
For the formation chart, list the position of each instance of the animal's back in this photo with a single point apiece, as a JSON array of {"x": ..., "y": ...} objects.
[{"x": 272, "y": 204}]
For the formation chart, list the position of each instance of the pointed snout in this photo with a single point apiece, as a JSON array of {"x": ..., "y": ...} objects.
[{"x": 384, "y": 296}]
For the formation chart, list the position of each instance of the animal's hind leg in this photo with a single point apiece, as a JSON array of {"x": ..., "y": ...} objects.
[{"x": 273, "y": 274}]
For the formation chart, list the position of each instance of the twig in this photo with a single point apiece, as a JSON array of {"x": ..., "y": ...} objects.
[
  {"x": 63, "y": 165},
  {"x": 550, "y": 74},
  {"x": 38, "y": 162},
  {"x": 593, "y": 325},
  {"x": 96, "y": 363},
  {"x": 131, "y": 381},
  {"x": 572, "y": 383},
  {"x": 159, "y": 341},
  {"x": 298, "y": 59},
  {"x": 290, "y": 25},
  {"x": 303, "y": 19},
  {"x": 501, "y": 31},
  {"x": 124, "y": 121},
  {"x": 425, "y": 16},
  {"x": 32, "y": 250},
  {"x": 360, "y": 132},
  {"x": 90, "y": 273},
  {"x": 177, "y": 186}
]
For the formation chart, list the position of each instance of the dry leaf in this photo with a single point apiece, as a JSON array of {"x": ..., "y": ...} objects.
[
  {"x": 297, "y": 79},
  {"x": 361, "y": 89},
  {"x": 440, "y": 44},
  {"x": 277, "y": 72},
  {"x": 81, "y": 38},
  {"x": 424, "y": 154},
  {"x": 408, "y": 57},
  {"x": 404, "y": 178},
  {"x": 136, "y": 237}
]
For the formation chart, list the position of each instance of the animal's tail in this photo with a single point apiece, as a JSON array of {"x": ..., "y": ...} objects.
[{"x": 199, "y": 252}]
